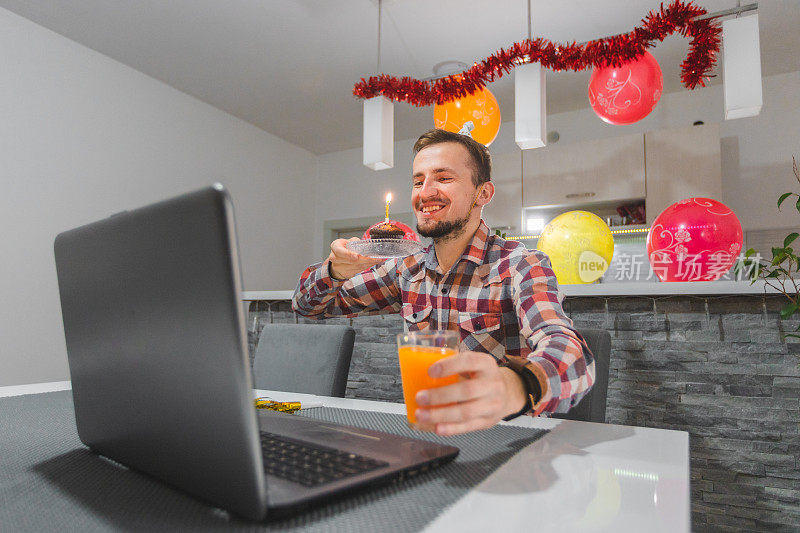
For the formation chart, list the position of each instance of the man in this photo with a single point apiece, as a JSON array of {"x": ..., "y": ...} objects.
[{"x": 519, "y": 353}]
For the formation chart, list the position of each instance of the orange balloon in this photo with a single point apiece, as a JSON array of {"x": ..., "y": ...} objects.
[{"x": 480, "y": 108}]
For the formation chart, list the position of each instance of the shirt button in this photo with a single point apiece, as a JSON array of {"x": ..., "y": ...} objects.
[
  {"x": 414, "y": 315},
  {"x": 444, "y": 291}
]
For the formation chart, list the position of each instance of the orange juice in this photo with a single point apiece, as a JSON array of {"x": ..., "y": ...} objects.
[{"x": 414, "y": 363}]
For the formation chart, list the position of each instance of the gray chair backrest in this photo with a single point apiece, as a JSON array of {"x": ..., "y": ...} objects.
[
  {"x": 592, "y": 407},
  {"x": 305, "y": 358}
]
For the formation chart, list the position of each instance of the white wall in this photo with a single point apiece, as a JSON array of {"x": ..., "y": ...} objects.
[
  {"x": 348, "y": 189},
  {"x": 82, "y": 137},
  {"x": 756, "y": 157}
]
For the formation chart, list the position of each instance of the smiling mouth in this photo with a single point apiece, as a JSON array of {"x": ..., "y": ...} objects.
[{"x": 431, "y": 208}]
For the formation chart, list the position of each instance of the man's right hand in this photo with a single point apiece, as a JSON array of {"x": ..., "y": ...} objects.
[{"x": 345, "y": 263}]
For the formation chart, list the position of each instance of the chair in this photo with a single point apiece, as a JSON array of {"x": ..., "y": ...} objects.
[
  {"x": 592, "y": 407},
  {"x": 305, "y": 358}
]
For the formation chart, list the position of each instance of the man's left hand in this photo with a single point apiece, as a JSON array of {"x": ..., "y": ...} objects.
[{"x": 485, "y": 394}]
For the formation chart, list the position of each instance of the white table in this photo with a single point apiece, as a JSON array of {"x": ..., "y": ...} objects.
[{"x": 579, "y": 477}]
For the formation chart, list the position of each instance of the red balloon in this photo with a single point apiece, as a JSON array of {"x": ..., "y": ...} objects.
[
  {"x": 408, "y": 233},
  {"x": 626, "y": 94},
  {"x": 697, "y": 239}
]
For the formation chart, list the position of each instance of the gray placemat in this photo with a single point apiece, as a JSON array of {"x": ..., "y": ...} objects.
[{"x": 50, "y": 481}]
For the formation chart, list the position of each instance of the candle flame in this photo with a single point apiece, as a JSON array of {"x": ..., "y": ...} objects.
[{"x": 388, "y": 197}]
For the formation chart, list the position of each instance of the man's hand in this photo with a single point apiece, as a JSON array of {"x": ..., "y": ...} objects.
[
  {"x": 485, "y": 395},
  {"x": 345, "y": 263}
]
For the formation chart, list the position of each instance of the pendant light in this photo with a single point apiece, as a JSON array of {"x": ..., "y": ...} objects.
[
  {"x": 530, "y": 104},
  {"x": 741, "y": 64},
  {"x": 379, "y": 123}
]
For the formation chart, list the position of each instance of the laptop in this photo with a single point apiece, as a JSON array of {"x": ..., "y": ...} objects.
[{"x": 160, "y": 372}]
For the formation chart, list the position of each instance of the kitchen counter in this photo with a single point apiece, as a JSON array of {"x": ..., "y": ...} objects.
[
  {"x": 697, "y": 288},
  {"x": 709, "y": 358}
]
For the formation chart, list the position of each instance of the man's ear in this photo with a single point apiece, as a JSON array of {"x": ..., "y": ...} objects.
[{"x": 486, "y": 194}]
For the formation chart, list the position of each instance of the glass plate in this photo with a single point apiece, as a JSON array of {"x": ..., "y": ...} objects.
[{"x": 385, "y": 248}]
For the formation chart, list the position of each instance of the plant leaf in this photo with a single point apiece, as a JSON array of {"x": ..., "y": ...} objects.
[
  {"x": 790, "y": 238},
  {"x": 788, "y": 310},
  {"x": 750, "y": 252},
  {"x": 783, "y": 197},
  {"x": 779, "y": 255},
  {"x": 797, "y": 205}
]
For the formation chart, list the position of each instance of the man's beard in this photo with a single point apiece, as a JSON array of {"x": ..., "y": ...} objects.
[{"x": 445, "y": 230}]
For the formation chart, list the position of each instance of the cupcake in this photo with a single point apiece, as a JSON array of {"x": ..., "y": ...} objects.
[
  {"x": 390, "y": 229},
  {"x": 386, "y": 230}
]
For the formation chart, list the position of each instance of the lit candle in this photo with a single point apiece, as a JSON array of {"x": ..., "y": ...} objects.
[{"x": 388, "y": 199}]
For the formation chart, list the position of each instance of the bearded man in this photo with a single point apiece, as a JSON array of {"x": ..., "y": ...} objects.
[{"x": 519, "y": 353}]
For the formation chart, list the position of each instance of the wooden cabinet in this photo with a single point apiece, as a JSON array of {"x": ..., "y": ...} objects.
[
  {"x": 600, "y": 170},
  {"x": 662, "y": 167},
  {"x": 682, "y": 163}
]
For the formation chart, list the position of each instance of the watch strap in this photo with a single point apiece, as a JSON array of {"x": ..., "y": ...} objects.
[
  {"x": 330, "y": 274},
  {"x": 532, "y": 388}
]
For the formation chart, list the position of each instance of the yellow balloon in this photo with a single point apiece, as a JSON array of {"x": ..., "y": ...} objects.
[{"x": 580, "y": 246}]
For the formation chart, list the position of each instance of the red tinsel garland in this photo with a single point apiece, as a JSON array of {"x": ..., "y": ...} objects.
[{"x": 615, "y": 51}]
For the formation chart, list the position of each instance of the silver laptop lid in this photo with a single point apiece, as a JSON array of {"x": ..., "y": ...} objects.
[{"x": 157, "y": 352}]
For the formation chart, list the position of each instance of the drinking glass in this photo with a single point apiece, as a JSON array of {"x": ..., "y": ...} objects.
[{"x": 417, "y": 351}]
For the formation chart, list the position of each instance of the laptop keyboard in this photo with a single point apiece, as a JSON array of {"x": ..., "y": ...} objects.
[{"x": 311, "y": 464}]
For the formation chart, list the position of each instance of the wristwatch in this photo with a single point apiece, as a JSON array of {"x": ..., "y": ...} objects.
[{"x": 532, "y": 388}]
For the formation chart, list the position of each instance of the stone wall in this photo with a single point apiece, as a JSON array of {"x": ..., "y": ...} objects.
[{"x": 717, "y": 367}]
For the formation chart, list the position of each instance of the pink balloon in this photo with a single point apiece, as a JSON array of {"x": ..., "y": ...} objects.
[
  {"x": 626, "y": 94},
  {"x": 697, "y": 239}
]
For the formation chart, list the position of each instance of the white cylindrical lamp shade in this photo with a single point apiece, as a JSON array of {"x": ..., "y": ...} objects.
[
  {"x": 379, "y": 133},
  {"x": 741, "y": 63},
  {"x": 530, "y": 106}
]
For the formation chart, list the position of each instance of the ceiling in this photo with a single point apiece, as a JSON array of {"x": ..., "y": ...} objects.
[{"x": 289, "y": 66}]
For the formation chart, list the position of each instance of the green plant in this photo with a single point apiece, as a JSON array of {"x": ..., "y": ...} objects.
[{"x": 782, "y": 271}]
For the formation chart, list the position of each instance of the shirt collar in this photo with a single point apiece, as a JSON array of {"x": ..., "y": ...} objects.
[
  {"x": 474, "y": 252},
  {"x": 431, "y": 263}
]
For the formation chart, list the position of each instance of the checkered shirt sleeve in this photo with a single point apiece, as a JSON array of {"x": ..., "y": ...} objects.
[
  {"x": 559, "y": 358},
  {"x": 374, "y": 291}
]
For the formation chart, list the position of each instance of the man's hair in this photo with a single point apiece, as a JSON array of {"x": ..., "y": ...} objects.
[{"x": 478, "y": 153}]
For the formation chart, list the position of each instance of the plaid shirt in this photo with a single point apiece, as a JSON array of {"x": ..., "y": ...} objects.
[{"x": 501, "y": 297}]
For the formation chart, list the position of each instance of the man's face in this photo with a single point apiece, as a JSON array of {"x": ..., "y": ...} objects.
[{"x": 443, "y": 192}]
